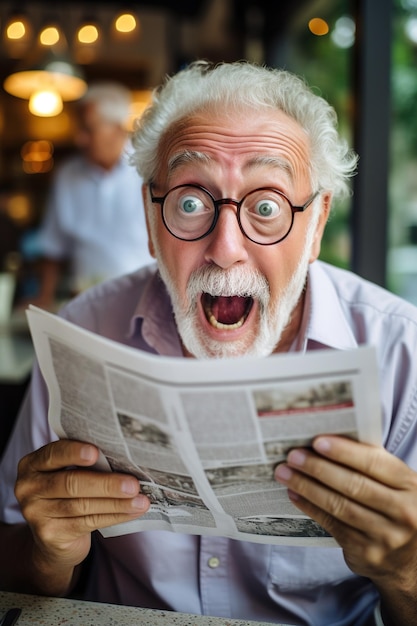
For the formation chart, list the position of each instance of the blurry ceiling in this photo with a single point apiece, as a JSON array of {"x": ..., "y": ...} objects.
[{"x": 170, "y": 33}]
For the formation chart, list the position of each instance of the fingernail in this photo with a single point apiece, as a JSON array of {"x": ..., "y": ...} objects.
[
  {"x": 129, "y": 487},
  {"x": 321, "y": 444},
  {"x": 283, "y": 473},
  {"x": 140, "y": 503},
  {"x": 296, "y": 457},
  {"x": 87, "y": 453}
]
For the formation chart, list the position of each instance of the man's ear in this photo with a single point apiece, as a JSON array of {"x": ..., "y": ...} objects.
[
  {"x": 146, "y": 204},
  {"x": 326, "y": 202}
]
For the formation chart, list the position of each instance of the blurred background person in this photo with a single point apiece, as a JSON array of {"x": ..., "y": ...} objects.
[{"x": 94, "y": 224}]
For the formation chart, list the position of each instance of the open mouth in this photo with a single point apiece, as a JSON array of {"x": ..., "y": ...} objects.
[{"x": 226, "y": 312}]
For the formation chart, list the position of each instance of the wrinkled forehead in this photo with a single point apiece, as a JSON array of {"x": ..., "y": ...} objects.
[{"x": 243, "y": 136}]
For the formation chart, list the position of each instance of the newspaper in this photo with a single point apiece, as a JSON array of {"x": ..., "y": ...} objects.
[{"x": 204, "y": 436}]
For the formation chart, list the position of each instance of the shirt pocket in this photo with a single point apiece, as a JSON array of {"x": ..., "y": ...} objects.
[{"x": 303, "y": 568}]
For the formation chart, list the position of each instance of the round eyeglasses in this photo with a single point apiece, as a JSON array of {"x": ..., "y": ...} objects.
[{"x": 265, "y": 215}]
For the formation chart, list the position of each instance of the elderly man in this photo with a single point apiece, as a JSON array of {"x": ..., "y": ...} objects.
[
  {"x": 94, "y": 221},
  {"x": 240, "y": 165}
]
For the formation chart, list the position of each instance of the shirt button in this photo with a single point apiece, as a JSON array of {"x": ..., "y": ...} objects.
[{"x": 213, "y": 562}]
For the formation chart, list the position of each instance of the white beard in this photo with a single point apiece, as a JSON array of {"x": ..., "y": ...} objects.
[{"x": 273, "y": 317}]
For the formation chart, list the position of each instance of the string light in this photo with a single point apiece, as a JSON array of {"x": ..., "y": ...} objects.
[
  {"x": 17, "y": 34},
  {"x": 49, "y": 36},
  {"x": 16, "y": 30},
  {"x": 125, "y": 23},
  {"x": 318, "y": 26},
  {"x": 46, "y": 87},
  {"x": 17, "y": 27},
  {"x": 88, "y": 34}
]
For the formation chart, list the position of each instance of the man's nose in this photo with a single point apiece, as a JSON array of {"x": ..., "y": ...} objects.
[{"x": 226, "y": 244}]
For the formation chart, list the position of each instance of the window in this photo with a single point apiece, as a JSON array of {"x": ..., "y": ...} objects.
[{"x": 402, "y": 240}]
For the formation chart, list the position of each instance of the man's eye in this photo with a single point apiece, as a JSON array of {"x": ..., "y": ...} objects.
[
  {"x": 267, "y": 208},
  {"x": 191, "y": 204}
]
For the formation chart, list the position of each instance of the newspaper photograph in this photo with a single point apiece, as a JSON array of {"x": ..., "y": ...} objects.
[{"x": 203, "y": 436}]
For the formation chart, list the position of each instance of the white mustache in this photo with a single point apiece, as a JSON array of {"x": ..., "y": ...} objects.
[{"x": 232, "y": 282}]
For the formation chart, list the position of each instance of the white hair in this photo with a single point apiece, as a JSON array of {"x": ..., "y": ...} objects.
[
  {"x": 235, "y": 86},
  {"x": 113, "y": 101}
]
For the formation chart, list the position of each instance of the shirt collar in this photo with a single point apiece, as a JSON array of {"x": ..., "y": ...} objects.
[
  {"x": 153, "y": 319},
  {"x": 324, "y": 323}
]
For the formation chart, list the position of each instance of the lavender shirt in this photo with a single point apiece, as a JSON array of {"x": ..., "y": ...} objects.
[{"x": 249, "y": 581}]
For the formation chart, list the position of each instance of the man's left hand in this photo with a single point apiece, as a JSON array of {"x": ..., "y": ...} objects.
[{"x": 366, "y": 498}]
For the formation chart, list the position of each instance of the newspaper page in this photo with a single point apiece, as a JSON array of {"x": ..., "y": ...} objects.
[{"x": 204, "y": 436}]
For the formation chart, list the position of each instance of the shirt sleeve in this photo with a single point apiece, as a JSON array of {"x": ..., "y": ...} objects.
[{"x": 30, "y": 433}]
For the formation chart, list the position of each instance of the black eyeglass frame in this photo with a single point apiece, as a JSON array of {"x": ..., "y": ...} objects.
[{"x": 237, "y": 203}]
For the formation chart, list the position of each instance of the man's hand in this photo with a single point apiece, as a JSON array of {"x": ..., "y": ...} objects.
[
  {"x": 63, "y": 502},
  {"x": 367, "y": 499}
]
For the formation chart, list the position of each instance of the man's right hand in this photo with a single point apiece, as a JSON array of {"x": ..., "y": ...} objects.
[{"x": 63, "y": 502}]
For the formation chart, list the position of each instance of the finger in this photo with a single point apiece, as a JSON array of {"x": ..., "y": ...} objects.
[
  {"x": 327, "y": 505},
  {"x": 367, "y": 537},
  {"x": 62, "y": 531},
  {"x": 85, "y": 507},
  {"x": 369, "y": 460},
  {"x": 379, "y": 547},
  {"x": 378, "y": 511},
  {"x": 344, "y": 534},
  {"x": 59, "y": 454},
  {"x": 76, "y": 483},
  {"x": 90, "y": 523},
  {"x": 338, "y": 478}
]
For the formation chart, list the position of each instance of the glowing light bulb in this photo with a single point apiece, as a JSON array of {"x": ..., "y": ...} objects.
[
  {"x": 16, "y": 30},
  {"x": 125, "y": 23},
  {"x": 49, "y": 36},
  {"x": 318, "y": 26},
  {"x": 45, "y": 103},
  {"x": 88, "y": 34}
]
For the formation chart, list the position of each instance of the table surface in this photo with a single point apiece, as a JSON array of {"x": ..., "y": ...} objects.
[{"x": 57, "y": 611}]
